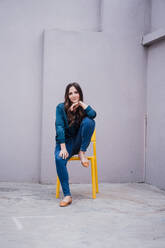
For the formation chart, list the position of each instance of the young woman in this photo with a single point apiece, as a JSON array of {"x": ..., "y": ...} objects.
[{"x": 74, "y": 128}]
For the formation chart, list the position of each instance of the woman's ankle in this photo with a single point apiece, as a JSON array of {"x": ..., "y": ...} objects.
[
  {"x": 82, "y": 152},
  {"x": 67, "y": 196},
  {"x": 82, "y": 155}
]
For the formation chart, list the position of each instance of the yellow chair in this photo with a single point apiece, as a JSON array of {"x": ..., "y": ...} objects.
[{"x": 94, "y": 175}]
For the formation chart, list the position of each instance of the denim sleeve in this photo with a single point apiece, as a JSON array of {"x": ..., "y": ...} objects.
[
  {"x": 90, "y": 112},
  {"x": 60, "y": 126}
]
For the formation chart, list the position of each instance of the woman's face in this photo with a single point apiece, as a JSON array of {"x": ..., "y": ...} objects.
[{"x": 73, "y": 95}]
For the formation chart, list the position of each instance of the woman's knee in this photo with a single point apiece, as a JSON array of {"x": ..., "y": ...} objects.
[{"x": 89, "y": 122}]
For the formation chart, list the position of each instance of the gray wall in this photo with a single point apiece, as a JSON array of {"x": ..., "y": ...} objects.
[
  {"x": 111, "y": 67},
  {"x": 120, "y": 85},
  {"x": 155, "y": 159},
  {"x": 125, "y": 22}
]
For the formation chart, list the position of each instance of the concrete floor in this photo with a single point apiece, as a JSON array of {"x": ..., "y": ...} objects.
[{"x": 123, "y": 215}]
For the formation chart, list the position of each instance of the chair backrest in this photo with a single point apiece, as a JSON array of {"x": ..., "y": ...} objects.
[{"x": 93, "y": 138}]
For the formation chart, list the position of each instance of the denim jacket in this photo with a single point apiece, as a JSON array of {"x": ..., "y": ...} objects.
[{"x": 63, "y": 131}]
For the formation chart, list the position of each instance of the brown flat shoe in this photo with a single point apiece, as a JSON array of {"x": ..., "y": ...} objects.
[
  {"x": 84, "y": 163},
  {"x": 66, "y": 201}
]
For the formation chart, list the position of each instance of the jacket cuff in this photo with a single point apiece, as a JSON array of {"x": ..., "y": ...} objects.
[
  {"x": 87, "y": 109},
  {"x": 61, "y": 141}
]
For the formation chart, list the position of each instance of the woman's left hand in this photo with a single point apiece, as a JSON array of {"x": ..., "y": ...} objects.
[{"x": 83, "y": 105}]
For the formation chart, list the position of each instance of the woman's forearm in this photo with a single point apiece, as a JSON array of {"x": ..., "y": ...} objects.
[{"x": 63, "y": 146}]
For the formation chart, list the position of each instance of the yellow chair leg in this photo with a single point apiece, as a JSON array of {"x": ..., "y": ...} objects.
[
  {"x": 58, "y": 188},
  {"x": 97, "y": 186},
  {"x": 93, "y": 178}
]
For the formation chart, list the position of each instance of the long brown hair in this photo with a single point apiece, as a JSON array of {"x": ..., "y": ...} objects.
[{"x": 79, "y": 114}]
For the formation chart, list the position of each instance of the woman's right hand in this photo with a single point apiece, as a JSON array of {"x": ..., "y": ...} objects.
[
  {"x": 74, "y": 106},
  {"x": 63, "y": 153}
]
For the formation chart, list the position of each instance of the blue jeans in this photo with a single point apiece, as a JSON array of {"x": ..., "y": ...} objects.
[{"x": 73, "y": 145}]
